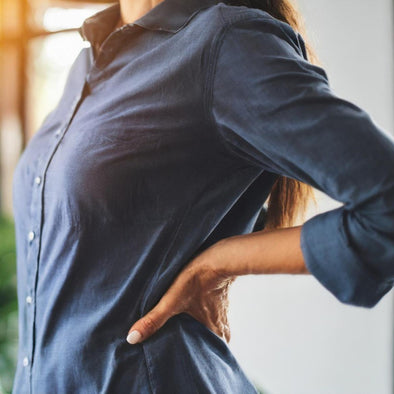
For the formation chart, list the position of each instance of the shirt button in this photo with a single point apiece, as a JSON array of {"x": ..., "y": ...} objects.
[
  {"x": 25, "y": 362},
  {"x": 37, "y": 180},
  {"x": 57, "y": 133},
  {"x": 29, "y": 300},
  {"x": 31, "y": 235}
]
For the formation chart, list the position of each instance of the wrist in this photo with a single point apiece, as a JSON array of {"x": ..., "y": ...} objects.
[
  {"x": 225, "y": 258},
  {"x": 262, "y": 252}
]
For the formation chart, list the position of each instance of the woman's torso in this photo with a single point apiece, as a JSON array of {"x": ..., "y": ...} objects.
[{"x": 124, "y": 182}]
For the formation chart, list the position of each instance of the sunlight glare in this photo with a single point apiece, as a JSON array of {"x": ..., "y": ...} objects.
[{"x": 56, "y": 18}]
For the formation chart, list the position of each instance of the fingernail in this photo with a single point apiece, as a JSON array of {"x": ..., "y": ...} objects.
[{"x": 133, "y": 337}]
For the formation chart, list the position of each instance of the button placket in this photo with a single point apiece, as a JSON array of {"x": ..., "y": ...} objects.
[
  {"x": 34, "y": 234},
  {"x": 33, "y": 240}
]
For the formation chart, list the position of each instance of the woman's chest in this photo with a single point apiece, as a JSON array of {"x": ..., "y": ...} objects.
[{"x": 134, "y": 146}]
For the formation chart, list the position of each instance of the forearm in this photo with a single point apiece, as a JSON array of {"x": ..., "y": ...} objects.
[
  {"x": 201, "y": 288},
  {"x": 262, "y": 252}
]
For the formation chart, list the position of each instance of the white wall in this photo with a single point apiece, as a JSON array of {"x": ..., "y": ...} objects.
[{"x": 288, "y": 332}]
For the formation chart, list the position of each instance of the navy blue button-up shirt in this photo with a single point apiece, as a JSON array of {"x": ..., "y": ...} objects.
[{"x": 167, "y": 138}]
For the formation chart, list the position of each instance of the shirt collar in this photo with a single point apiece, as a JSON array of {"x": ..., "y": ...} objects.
[{"x": 169, "y": 15}]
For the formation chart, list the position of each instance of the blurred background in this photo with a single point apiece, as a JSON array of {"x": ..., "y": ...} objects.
[{"x": 290, "y": 334}]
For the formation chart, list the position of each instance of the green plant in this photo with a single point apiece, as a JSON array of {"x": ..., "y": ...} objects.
[{"x": 8, "y": 305}]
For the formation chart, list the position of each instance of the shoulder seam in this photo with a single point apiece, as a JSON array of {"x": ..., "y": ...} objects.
[{"x": 211, "y": 71}]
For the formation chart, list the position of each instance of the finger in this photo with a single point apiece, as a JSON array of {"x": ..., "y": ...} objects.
[
  {"x": 206, "y": 321},
  {"x": 227, "y": 335},
  {"x": 226, "y": 329},
  {"x": 213, "y": 326},
  {"x": 149, "y": 324}
]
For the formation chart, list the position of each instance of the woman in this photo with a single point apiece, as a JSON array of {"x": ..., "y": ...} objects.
[{"x": 135, "y": 201}]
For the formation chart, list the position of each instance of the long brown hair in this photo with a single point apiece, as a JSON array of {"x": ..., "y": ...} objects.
[{"x": 289, "y": 198}]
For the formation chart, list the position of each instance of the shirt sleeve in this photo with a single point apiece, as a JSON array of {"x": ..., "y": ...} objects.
[{"x": 275, "y": 110}]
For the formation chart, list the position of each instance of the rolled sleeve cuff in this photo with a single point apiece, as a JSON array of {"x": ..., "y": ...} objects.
[{"x": 331, "y": 259}]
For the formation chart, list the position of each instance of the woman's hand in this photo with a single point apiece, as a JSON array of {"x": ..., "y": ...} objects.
[{"x": 199, "y": 290}]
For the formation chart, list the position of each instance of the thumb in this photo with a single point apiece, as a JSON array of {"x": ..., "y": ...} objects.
[{"x": 148, "y": 325}]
